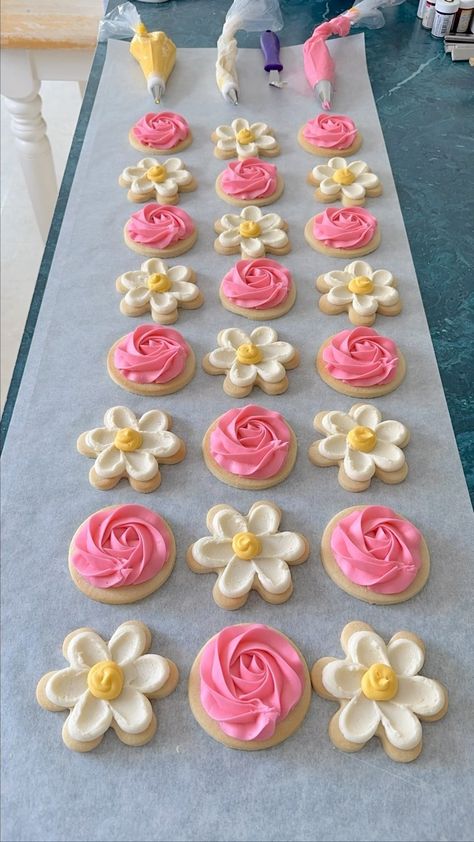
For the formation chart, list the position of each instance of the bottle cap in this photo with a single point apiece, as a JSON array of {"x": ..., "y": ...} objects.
[
  {"x": 466, "y": 4},
  {"x": 447, "y": 6}
]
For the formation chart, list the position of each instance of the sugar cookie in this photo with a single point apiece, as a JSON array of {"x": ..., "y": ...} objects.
[
  {"x": 244, "y": 140},
  {"x": 343, "y": 232},
  {"x": 330, "y": 134},
  {"x": 252, "y": 233},
  {"x": 160, "y": 231},
  {"x": 250, "y": 180},
  {"x": 160, "y": 290},
  {"x": 163, "y": 132},
  {"x": 151, "y": 360},
  {"x": 350, "y": 183},
  {"x": 158, "y": 180},
  {"x": 361, "y": 291},
  {"x": 379, "y": 692},
  {"x": 361, "y": 363},
  {"x": 258, "y": 289}
]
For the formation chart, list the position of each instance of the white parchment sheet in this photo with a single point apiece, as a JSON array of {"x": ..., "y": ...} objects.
[{"x": 183, "y": 785}]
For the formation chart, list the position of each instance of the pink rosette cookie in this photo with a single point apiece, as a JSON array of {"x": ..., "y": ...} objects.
[
  {"x": 361, "y": 363},
  {"x": 252, "y": 179},
  {"x": 151, "y": 360},
  {"x": 251, "y": 447},
  {"x": 256, "y": 289},
  {"x": 162, "y": 132},
  {"x": 249, "y": 687},
  {"x": 343, "y": 232},
  {"x": 330, "y": 134},
  {"x": 121, "y": 554},
  {"x": 375, "y": 554},
  {"x": 160, "y": 231}
]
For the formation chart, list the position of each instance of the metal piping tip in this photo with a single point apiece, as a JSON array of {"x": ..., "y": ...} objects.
[
  {"x": 323, "y": 90},
  {"x": 157, "y": 92},
  {"x": 232, "y": 94}
]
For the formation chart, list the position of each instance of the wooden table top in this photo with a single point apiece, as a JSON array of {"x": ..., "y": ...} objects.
[{"x": 50, "y": 24}]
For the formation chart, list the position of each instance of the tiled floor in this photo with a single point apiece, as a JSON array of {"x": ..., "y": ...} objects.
[{"x": 21, "y": 244}]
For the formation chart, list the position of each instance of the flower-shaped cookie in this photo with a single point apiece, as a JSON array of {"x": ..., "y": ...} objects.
[
  {"x": 158, "y": 289},
  {"x": 252, "y": 232},
  {"x": 248, "y": 360},
  {"x": 360, "y": 290},
  {"x": 244, "y": 139},
  {"x": 362, "y": 445},
  {"x": 131, "y": 447},
  {"x": 108, "y": 685},
  {"x": 379, "y": 692},
  {"x": 248, "y": 553},
  {"x": 151, "y": 179},
  {"x": 339, "y": 180}
]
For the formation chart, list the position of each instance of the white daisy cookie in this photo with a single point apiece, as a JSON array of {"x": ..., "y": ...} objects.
[
  {"x": 362, "y": 445},
  {"x": 160, "y": 290},
  {"x": 244, "y": 140},
  {"x": 108, "y": 685},
  {"x": 255, "y": 359},
  {"x": 253, "y": 233},
  {"x": 338, "y": 180},
  {"x": 248, "y": 553},
  {"x": 151, "y": 179},
  {"x": 360, "y": 291}
]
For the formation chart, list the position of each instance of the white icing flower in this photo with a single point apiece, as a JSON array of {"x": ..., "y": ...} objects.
[
  {"x": 373, "y": 669},
  {"x": 244, "y": 547},
  {"x": 131, "y": 446},
  {"x": 107, "y": 682},
  {"x": 156, "y": 287},
  {"x": 247, "y": 357},
  {"x": 363, "y": 441},
  {"x": 362, "y": 287},
  {"x": 245, "y": 139},
  {"x": 351, "y": 180},
  {"x": 150, "y": 175},
  {"x": 252, "y": 230}
]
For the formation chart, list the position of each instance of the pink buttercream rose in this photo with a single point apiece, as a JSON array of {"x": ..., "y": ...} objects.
[
  {"x": 159, "y": 225},
  {"x": 344, "y": 228},
  {"x": 251, "y": 442},
  {"x": 378, "y": 549},
  {"x": 257, "y": 284},
  {"x": 151, "y": 354},
  {"x": 161, "y": 131},
  {"x": 361, "y": 357},
  {"x": 330, "y": 131},
  {"x": 249, "y": 179},
  {"x": 251, "y": 678}
]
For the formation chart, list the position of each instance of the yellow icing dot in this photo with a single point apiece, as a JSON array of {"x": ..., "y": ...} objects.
[
  {"x": 105, "y": 680},
  {"x": 379, "y": 683},
  {"x": 246, "y": 545},
  {"x": 249, "y": 229},
  {"x": 343, "y": 176},
  {"x": 361, "y": 285},
  {"x": 245, "y": 136},
  {"x": 158, "y": 283},
  {"x": 128, "y": 439},
  {"x": 156, "y": 173},
  {"x": 362, "y": 438},
  {"x": 249, "y": 354}
]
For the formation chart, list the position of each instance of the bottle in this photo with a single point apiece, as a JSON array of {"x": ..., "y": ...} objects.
[
  {"x": 445, "y": 11},
  {"x": 421, "y": 9},
  {"x": 463, "y": 16},
  {"x": 428, "y": 14}
]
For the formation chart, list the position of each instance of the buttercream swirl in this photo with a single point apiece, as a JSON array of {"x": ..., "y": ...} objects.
[
  {"x": 249, "y": 179},
  {"x": 161, "y": 131},
  {"x": 159, "y": 225},
  {"x": 151, "y": 354},
  {"x": 330, "y": 131},
  {"x": 122, "y": 546},
  {"x": 251, "y": 442},
  {"x": 378, "y": 549},
  {"x": 361, "y": 357},
  {"x": 344, "y": 228},
  {"x": 257, "y": 284},
  {"x": 251, "y": 678}
]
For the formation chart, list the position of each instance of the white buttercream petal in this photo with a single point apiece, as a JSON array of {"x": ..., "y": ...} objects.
[
  {"x": 353, "y": 191},
  {"x": 140, "y": 465},
  {"x": 402, "y": 727},
  {"x": 342, "y": 679},
  {"x": 333, "y": 447},
  {"x": 163, "y": 303},
  {"x": 89, "y": 719},
  {"x": 167, "y": 188},
  {"x": 142, "y": 185},
  {"x": 182, "y": 177},
  {"x": 271, "y": 371},
  {"x": 322, "y": 171},
  {"x": 392, "y": 432},
  {"x": 230, "y": 238},
  {"x": 386, "y": 295},
  {"x": 359, "y": 466},
  {"x": 131, "y": 710},
  {"x": 241, "y": 374},
  {"x": 86, "y": 648},
  {"x": 258, "y": 129},
  {"x": 405, "y": 656},
  {"x": 273, "y": 574},
  {"x": 154, "y": 266},
  {"x": 337, "y": 278},
  {"x": 232, "y": 337},
  {"x": 337, "y": 422},
  {"x": 184, "y": 291},
  {"x": 340, "y": 295},
  {"x": 275, "y": 237},
  {"x": 263, "y": 518},
  {"x": 263, "y": 335},
  {"x": 222, "y": 358},
  {"x": 239, "y": 124},
  {"x": 237, "y": 578},
  {"x": 173, "y": 165},
  {"x": 252, "y": 213},
  {"x": 270, "y": 221},
  {"x": 138, "y": 296},
  {"x": 387, "y": 457},
  {"x": 329, "y": 187},
  {"x": 357, "y": 167},
  {"x": 227, "y": 145},
  {"x": 65, "y": 687},
  {"x": 176, "y": 274},
  {"x": 226, "y": 522},
  {"x": 286, "y": 545},
  {"x": 368, "y": 180},
  {"x": 366, "y": 415},
  {"x": 252, "y": 247},
  {"x": 246, "y": 150},
  {"x": 225, "y": 132},
  {"x": 100, "y": 438},
  {"x": 421, "y": 695},
  {"x": 153, "y": 421},
  {"x": 147, "y": 673},
  {"x": 367, "y": 648},
  {"x": 110, "y": 463},
  {"x": 381, "y": 277},
  {"x": 280, "y": 351},
  {"x": 365, "y": 305},
  {"x": 131, "y": 280},
  {"x": 120, "y": 416},
  {"x": 130, "y": 174},
  {"x": 359, "y": 720},
  {"x": 128, "y": 642},
  {"x": 230, "y": 221},
  {"x": 162, "y": 443},
  {"x": 213, "y": 552},
  {"x": 359, "y": 267},
  {"x": 266, "y": 141}
]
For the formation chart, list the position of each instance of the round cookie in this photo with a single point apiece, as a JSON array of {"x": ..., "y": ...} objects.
[
  {"x": 343, "y": 232},
  {"x": 151, "y": 360},
  {"x": 250, "y": 180},
  {"x": 361, "y": 291},
  {"x": 164, "y": 132},
  {"x": 330, "y": 134},
  {"x": 361, "y": 363},
  {"x": 278, "y": 695},
  {"x": 258, "y": 289},
  {"x": 160, "y": 231}
]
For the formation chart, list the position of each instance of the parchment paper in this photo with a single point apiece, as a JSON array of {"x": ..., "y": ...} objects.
[{"x": 183, "y": 785}]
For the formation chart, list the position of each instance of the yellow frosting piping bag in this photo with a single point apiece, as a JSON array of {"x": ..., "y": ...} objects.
[{"x": 156, "y": 55}]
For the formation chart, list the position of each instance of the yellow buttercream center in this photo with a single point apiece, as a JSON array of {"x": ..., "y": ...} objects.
[
  {"x": 246, "y": 545},
  {"x": 156, "y": 173},
  {"x": 362, "y": 438},
  {"x": 361, "y": 285},
  {"x": 379, "y": 683},
  {"x": 249, "y": 229},
  {"x": 128, "y": 439},
  {"x": 344, "y": 176},
  {"x": 105, "y": 680},
  {"x": 249, "y": 354},
  {"x": 158, "y": 283},
  {"x": 245, "y": 136}
]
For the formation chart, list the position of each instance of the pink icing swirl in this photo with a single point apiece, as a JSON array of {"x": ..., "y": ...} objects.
[
  {"x": 330, "y": 131},
  {"x": 361, "y": 357},
  {"x": 249, "y": 179},
  {"x": 159, "y": 225},
  {"x": 344, "y": 228},
  {"x": 125, "y": 545},
  {"x": 151, "y": 354},
  {"x": 257, "y": 284},
  {"x": 251, "y": 678},
  {"x": 161, "y": 131},
  {"x": 377, "y": 548},
  {"x": 251, "y": 442}
]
